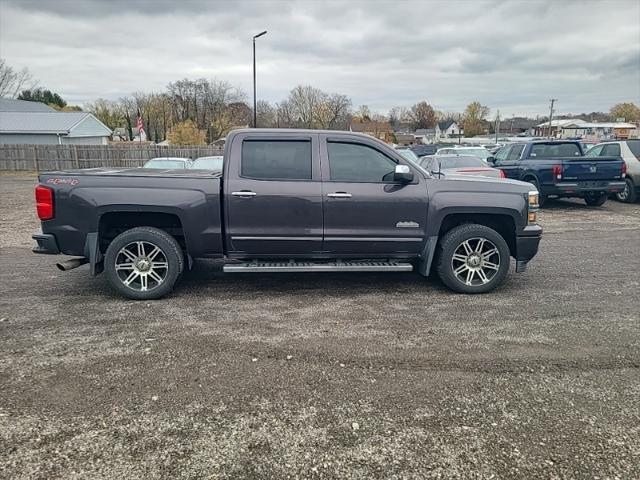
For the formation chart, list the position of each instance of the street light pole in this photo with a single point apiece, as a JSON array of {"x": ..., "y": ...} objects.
[{"x": 255, "y": 111}]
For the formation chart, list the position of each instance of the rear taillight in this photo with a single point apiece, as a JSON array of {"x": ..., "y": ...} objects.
[
  {"x": 556, "y": 171},
  {"x": 44, "y": 203},
  {"x": 623, "y": 173},
  {"x": 502, "y": 175}
]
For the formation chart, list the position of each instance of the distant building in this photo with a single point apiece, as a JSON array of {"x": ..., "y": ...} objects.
[
  {"x": 447, "y": 129},
  {"x": 425, "y": 135},
  {"x": 577, "y": 128},
  {"x": 24, "y": 122},
  {"x": 555, "y": 130},
  {"x": 405, "y": 139}
]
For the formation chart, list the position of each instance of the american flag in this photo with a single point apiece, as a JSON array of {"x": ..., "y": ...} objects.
[{"x": 140, "y": 125}]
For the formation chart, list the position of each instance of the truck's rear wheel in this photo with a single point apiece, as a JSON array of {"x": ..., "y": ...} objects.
[
  {"x": 143, "y": 263},
  {"x": 595, "y": 199},
  {"x": 472, "y": 259}
]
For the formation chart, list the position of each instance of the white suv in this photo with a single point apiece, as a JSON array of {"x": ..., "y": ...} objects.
[{"x": 629, "y": 150}]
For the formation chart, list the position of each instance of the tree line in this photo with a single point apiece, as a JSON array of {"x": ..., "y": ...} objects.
[{"x": 204, "y": 110}]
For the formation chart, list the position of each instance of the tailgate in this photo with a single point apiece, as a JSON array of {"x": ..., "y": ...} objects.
[{"x": 589, "y": 169}]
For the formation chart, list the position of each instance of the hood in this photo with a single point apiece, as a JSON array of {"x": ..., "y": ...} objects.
[{"x": 499, "y": 183}]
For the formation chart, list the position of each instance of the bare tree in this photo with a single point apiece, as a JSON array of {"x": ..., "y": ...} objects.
[{"x": 12, "y": 81}]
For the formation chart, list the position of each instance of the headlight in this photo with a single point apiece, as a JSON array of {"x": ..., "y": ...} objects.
[{"x": 532, "y": 207}]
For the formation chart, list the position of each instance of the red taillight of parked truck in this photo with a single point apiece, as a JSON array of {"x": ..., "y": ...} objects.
[
  {"x": 623, "y": 172},
  {"x": 556, "y": 171},
  {"x": 44, "y": 203},
  {"x": 502, "y": 175}
]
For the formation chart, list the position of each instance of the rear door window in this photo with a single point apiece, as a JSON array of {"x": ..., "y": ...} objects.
[
  {"x": 276, "y": 159},
  {"x": 514, "y": 153},
  {"x": 634, "y": 146},
  {"x": 611, "y": 150}
]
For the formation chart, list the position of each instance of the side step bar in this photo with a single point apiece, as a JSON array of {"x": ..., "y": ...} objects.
[{"x": 306, "y": 266}]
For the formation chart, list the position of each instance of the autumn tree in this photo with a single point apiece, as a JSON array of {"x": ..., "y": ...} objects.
[
  {"x": 363, "y": 114},
  {"x": 186, "y": 133},
  {"x": 398, "y": 115},
  {"x": 266, "y": 114},
  {"x": 13, "y": 81},
  {"x": 629, "y": 111},
  {"x": 423, "y": 115},
  {"x": 107, "y": 111},
  {"x": 473, "y": 119}
]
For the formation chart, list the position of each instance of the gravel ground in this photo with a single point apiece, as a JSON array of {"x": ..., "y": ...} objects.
[{"x": 326, "y": 375}]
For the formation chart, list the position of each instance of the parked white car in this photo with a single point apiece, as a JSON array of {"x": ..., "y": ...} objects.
[
  {"x": 629, "y": 150},
  {"x": 479, "y": 152}
]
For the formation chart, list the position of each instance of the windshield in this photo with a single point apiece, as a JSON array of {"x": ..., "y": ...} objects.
[
  {"x": 408, "y": 154},
  {"x": 482, "y": 152},
  {"x": 460, "y": 162},
  {"x": 164, "y": 163},
  {"x": 207, "y": 163}
]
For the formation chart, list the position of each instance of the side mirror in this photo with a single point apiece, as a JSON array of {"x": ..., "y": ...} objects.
[
  {"x": 491, "y": 160},
  {"x": 402, "y": 174}
]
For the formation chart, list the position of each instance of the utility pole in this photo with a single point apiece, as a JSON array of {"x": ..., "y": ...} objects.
[
  {"x": 553, "y": 100},
  {"x": 255, "y": 111},
  {"x": 459, "y": 127},
  {"x": 497, "y": 127}
]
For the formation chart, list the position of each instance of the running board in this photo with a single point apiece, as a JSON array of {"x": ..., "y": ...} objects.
[{"x": 306, "y": 266}]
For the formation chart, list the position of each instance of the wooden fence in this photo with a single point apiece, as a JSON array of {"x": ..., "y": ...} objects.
[{"x": 42, "y": 158}]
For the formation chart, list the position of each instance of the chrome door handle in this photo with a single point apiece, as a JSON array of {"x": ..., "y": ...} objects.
[
  {"x": 339, "y": 195},
  {"x": 244, "y": 193}
]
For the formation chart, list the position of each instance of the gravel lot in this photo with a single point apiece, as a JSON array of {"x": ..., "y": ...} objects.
[{"x": 323, "y": 375}]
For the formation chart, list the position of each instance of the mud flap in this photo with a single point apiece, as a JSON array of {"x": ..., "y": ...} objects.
[
  {"x": 92, "y": 252},
  {"x": 426, "y": 256}
]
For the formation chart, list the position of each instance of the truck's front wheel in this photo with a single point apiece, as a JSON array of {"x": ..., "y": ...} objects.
[
  {"x": 472, "y": 259},
  {"x": 143, "y": 263}
]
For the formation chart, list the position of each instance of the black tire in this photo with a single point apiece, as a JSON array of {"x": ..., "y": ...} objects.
[
  {"x": 542, "y": 199},
  {"x": 168, "y": 248},
  {"x": 451, "y": 243},
  {"x": 595, "y": 199},
  {"x": 630, "y": 193}
]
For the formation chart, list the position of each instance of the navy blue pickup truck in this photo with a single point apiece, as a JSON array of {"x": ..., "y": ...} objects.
[{"x": 560, "y": 169}]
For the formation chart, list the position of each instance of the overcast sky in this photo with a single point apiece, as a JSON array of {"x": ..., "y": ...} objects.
[{"x": 512, "y": 55}]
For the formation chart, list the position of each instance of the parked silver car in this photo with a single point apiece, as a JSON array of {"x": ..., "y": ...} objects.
[
  {"x": 168, "y": 163},
  {"x": 208, "y": 163},
  {"x": 459, "y": 165}
]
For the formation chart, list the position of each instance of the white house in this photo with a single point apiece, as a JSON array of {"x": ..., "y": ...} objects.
[{"x": 448, "y": 129}]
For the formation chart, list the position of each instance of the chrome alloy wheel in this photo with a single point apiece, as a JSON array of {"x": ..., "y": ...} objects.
[
  {"x": 623, "y": 196},
  {"x": 141, "y": 266},
  {"x": 475, "y": 261}
]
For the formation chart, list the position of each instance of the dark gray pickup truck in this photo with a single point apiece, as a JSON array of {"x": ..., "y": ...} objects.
[{"x": 288, "y": 201}]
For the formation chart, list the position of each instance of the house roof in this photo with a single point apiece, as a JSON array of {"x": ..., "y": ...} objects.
[
  {"x": 445, "y": 124},
  {"x": 49, "y": 123},
  {"x": 563, "y": 122},
  {"x": 425, "y": 131},
  {"x": 11, "y": 105},
  {"x": 606, "y": 125}
]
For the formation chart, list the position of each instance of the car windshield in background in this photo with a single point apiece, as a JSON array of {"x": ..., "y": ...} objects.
[
  {"x": 208, "y": 163},
  {"x": 165, "y": 163},
  {"x": 481, "y": 152},
  {"x": 460, "y": 162},
  {"x": 408, "y": 154},
  {"x": 555, "y": 150}
]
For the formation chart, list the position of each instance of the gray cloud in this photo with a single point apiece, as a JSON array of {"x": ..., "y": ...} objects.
[{"x": 511, "y": 55}]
